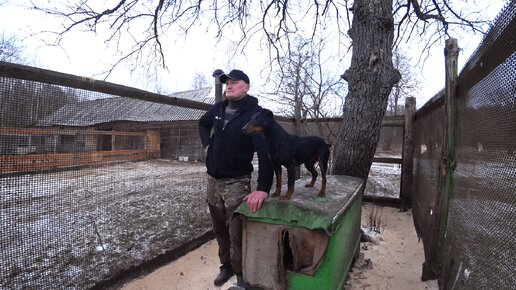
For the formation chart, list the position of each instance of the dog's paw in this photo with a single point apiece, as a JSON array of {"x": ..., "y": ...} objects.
[{"x": 287, "y": 196}]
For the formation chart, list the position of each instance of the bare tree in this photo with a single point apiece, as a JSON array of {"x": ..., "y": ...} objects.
[
  {"x": 406, "y": 87},
  {"x": 199, "y": 81},
  {"x": 290, "y": 82},
  {"x": 24, "y": 103},
  {"x": 304, "y": 86},
  {"x": 10, "y": 49},
  {"x": 376, "y": 26}
]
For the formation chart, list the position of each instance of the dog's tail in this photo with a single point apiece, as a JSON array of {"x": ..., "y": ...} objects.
[{"x": 324, "y": 152}]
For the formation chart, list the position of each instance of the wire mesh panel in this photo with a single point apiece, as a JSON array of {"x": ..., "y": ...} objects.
[
  {"x": 480, "y": 244},
  {"x": 84, "y": 194},
  {"x": 93, "y": 176},
  {"x": 384, "y": 179},
  {"x": 428, "y": 138},
  {"x": 474, "y": 249}
]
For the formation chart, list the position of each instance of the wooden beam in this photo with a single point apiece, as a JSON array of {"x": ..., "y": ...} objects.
[
  {"x": 393, "y": 123},
  {"x": 387, "y": 160},
  {"x": 38, "y": 162},
  {"x": 29, "y": 73},
  {"x": 388, "y": 121},
  {"x": 68, "y": 132},
  {"x": 383, "y": 201}
]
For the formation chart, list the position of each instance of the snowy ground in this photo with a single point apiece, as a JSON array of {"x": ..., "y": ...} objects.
[
  {"x": 384, "y": 180},
  {"x": 73, "y": 229}
]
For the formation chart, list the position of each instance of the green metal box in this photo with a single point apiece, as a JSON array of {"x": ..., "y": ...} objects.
[{"x": 307, "y": 242}]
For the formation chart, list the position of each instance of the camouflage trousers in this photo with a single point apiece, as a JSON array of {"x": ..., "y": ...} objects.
[{"x": 224, "y": 195}]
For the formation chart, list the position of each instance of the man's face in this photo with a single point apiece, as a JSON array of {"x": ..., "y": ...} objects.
[{"x": 236, "y": 89}]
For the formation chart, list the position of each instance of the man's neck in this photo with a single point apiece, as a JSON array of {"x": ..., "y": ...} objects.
[{"x": 237, "y": 103}]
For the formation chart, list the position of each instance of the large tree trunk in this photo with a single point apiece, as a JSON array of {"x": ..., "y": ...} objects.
[{"x": 370, "y": 80}]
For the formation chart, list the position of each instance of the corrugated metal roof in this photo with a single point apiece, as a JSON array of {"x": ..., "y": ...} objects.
[{"x": 99, "y": 111}]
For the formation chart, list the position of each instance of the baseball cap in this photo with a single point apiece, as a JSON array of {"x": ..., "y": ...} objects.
[{"x": 234, "y": 75}]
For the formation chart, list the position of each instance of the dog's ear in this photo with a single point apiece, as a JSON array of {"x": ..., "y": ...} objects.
[
  {"x": 255, "y": 115},
  {"x": 267, "y": 113}
]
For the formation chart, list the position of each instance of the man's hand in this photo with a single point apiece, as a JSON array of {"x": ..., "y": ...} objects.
[{"x": 255, "y": 200}]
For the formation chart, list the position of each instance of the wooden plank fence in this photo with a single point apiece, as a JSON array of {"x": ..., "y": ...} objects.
[{"x": 34, "y": 161}]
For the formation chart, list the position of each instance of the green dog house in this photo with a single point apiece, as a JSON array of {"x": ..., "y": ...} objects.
[{"x": 308, "y": 242}]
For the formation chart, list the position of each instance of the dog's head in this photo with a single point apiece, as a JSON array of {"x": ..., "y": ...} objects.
[{"x": 258, "y": 123}]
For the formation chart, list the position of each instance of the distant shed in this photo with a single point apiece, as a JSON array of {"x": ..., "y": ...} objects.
[{"x": 172, "y": 131}]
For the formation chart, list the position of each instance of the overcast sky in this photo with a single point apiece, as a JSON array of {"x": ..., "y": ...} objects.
[{"x": 84, "y": 54}]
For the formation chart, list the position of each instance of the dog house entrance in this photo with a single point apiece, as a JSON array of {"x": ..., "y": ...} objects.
[
  {"x": 273, "y": 250},
  {"x": 288, "y": 256}
]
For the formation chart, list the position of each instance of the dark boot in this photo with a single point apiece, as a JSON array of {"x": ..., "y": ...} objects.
[
  {"x": 240, "y": 283},
  {"x": 226, "y": 271},
  {"x": 240, "y": 280}
]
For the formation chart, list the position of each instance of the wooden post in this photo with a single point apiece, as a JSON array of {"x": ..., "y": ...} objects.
[
  {"x": 178, "y": 144},
  {"x": 406, "y": 187},
  {"x": 218, "y": 85},
  {"x": 451, "y": 54},
  {"x": 218, "y": 90},
  {"x": 438, "y": 221},
  {"x": 113, "y": 143},
  {"x": 152, "y": 144}
]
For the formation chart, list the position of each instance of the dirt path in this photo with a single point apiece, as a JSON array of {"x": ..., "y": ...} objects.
[{"x": 393, "y": 263}]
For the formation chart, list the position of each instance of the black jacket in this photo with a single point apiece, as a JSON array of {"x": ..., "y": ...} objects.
[{"x": 230, "y": 151}]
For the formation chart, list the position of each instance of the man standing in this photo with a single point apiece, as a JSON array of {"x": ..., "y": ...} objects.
[{"x": 229, "y": 167}]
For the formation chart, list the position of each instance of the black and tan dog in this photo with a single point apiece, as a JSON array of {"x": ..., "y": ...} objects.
[{"x": 290, "y": 150}]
